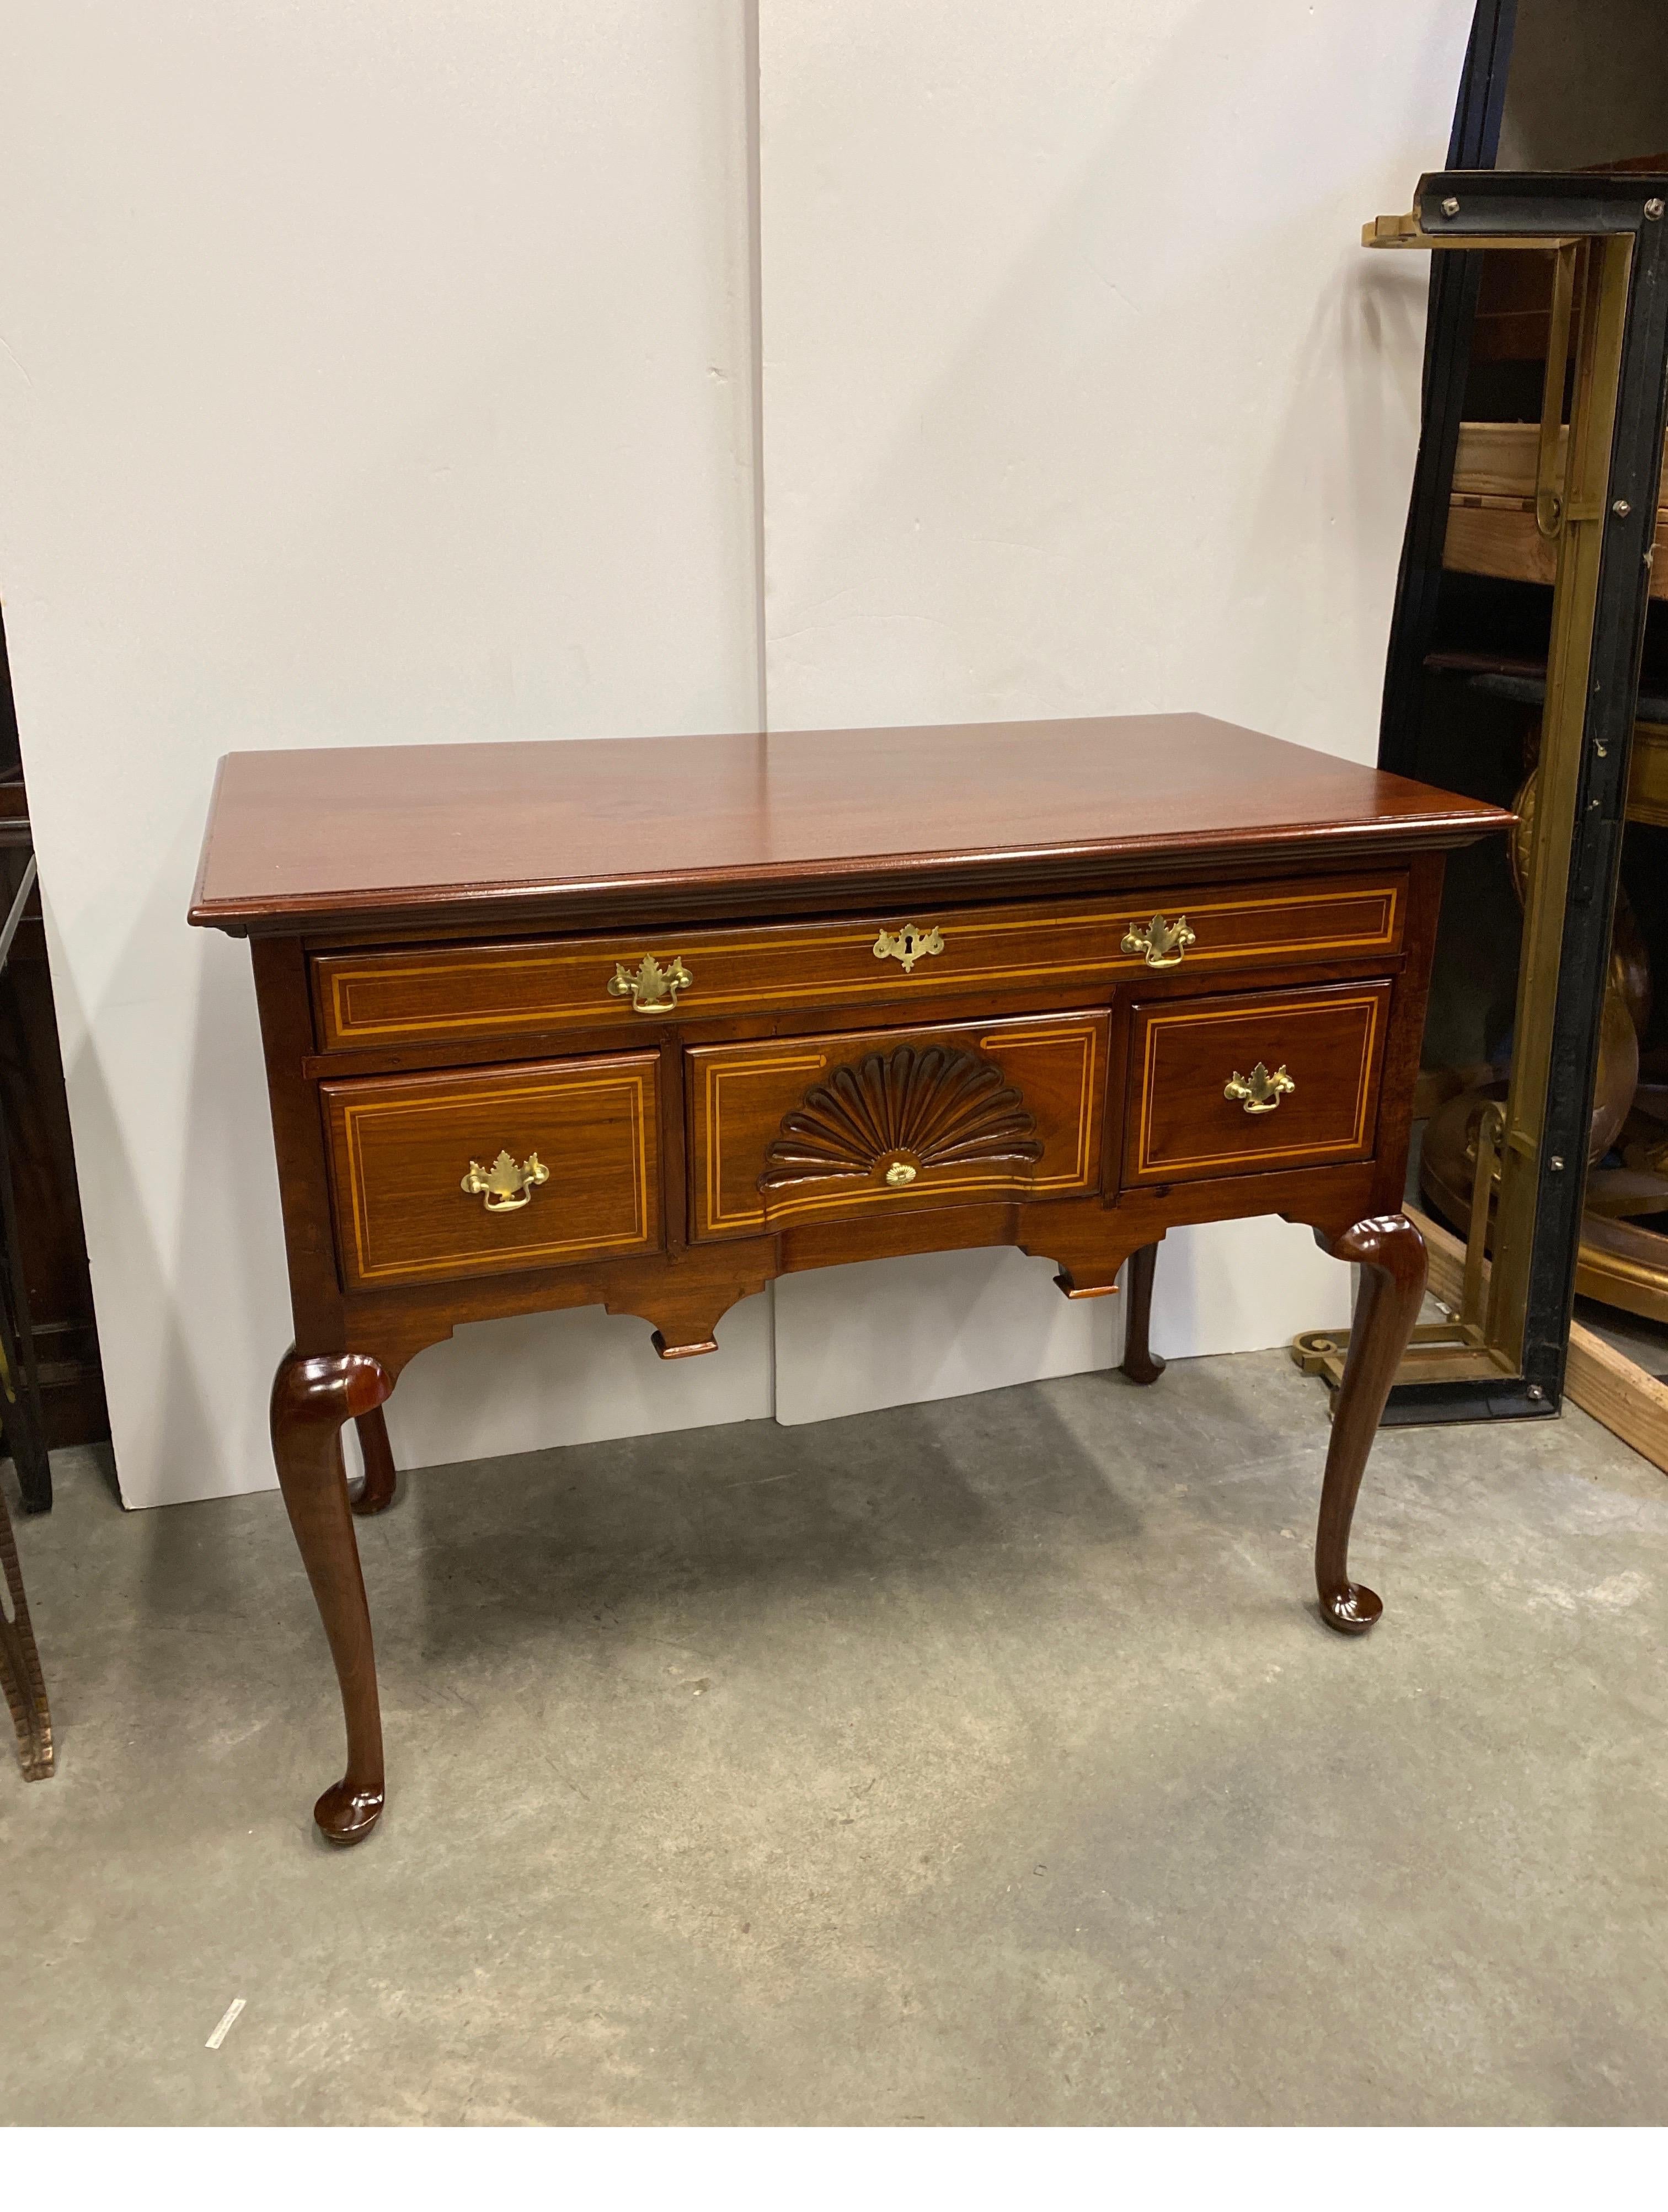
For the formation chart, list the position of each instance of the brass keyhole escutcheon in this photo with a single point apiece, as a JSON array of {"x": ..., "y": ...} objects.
[
  {"x": 504, "y": 1188},
  {"x": 907, "y": 945},
  {"x": 900, "y": 1174},
  {"x": 1162, "y": 944},
  {"x": 1259, "y": 1092}
]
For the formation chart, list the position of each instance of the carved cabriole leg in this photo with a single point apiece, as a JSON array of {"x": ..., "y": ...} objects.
[
  {"x": 1140, "y": 1362},
  {"x": 310, "y": 1400},
  {"x": 1391, "y": 1254},
  {"x": 376, "y": 1492}
]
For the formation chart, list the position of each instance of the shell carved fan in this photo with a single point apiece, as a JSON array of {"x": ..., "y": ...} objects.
[{"x": 887, "y": 1117}]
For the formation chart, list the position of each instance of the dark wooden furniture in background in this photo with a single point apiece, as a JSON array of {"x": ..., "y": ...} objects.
[
  {"x": 22, "y": 1428},
  {"x": 19, "y": 1664},
  {"x": 46, "y": 1246},
  {"x": 51, "y": 1246},
  {"x": 648, "y": 1023},
  {"x": 43, "y": 1262}
]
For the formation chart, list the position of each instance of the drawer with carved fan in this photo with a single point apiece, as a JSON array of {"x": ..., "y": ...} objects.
[
  {"x": 494, "y": 1169},
  {"x": 870, "y": 1122},
  {"x": 1263, "y": 1080}
]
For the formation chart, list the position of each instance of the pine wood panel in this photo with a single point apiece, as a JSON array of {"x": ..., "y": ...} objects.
[
  {"x": 810, "y": 1128},
  {"x": 1631, "y": 1403},
  {"x": 400, "y": 1147},
  {"x": 1498, "y": 460},
  {"x": 1330, "y": 1039},
  {"x": 386, "y": 997},
  {"x": 1498, "y": 538},
  {"x": 1491, "y": 514},
  {"x": 1647, "y": 776}
]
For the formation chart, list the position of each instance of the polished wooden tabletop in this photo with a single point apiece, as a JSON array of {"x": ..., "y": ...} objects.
[{"x": 304, "y": 839}]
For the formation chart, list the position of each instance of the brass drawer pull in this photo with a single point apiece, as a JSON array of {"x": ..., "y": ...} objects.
[
  {"x": 652, "y": 989},
  {"x": 1259, "y": 1091},
  {"x": 504, "y": 1188},
  {"x": 908, "y": 944},
  {"x": 1163, "y": 943}
]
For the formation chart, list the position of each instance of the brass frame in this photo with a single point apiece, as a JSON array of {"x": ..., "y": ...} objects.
[{"x": 1607, "y": 238}]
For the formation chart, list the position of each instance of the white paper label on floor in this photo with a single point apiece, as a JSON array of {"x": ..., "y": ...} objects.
[{"x": 225, "y": 2027}]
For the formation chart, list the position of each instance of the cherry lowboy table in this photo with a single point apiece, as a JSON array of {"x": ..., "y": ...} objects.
[{"x": 649, "y": 1022}]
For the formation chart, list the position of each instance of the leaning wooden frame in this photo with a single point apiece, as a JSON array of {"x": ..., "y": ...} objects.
[
  {"x": 1505, "y": 1353},
  {"x": 21, "y": 1676}
]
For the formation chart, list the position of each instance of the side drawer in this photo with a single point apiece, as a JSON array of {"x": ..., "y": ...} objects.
[
  {"x": 563, "y": 1156},
  {"x": 880, "y": 1121},
  {"x": 1199, "y": 1105},
  {"x": 386, "y": 997}
]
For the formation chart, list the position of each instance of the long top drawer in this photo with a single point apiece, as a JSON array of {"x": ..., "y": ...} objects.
[{"x": 377, "y": 999}]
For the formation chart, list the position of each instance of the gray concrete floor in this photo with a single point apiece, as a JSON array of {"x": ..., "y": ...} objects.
[
  {"x": 977, "y": 1762},
  {"x": 1644, "y": 1342}
]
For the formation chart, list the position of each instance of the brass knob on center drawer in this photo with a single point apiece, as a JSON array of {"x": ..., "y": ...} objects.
[
  {"x": 1259, "y": 1092},
  {"x": 1160, "y": 942}
]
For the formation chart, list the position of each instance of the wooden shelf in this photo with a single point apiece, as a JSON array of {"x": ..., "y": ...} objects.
[
  {"x": 1507, "y": 677},
  {"x": 1491, "y": 509}
]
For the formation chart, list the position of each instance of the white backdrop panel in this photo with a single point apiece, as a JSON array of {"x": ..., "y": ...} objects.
[
  {"x": 936, "y": 1325},
  {"x": 370, "y": 374},
  {"x": 376, "y": 377},
  {"x": 1080, "y": 397}
]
